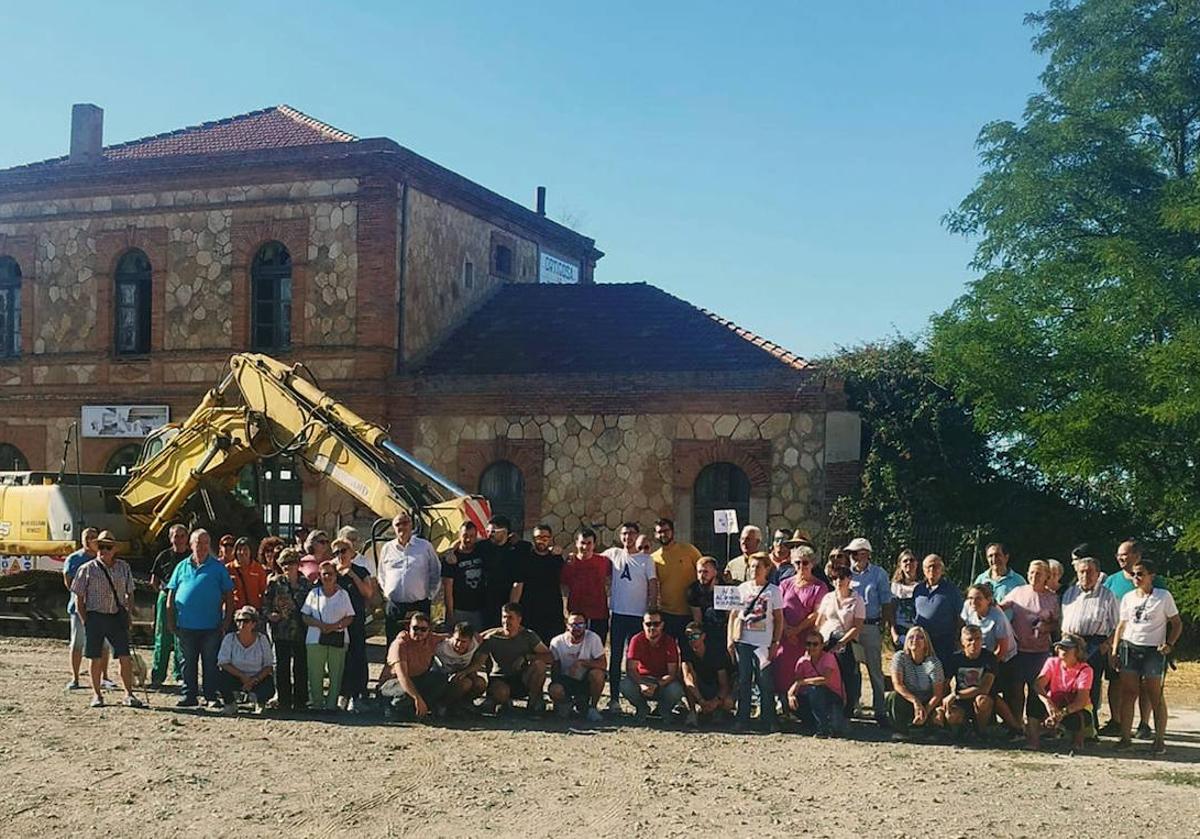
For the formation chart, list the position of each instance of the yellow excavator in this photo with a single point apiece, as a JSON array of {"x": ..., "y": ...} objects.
[{"x": 261, "y": 409}]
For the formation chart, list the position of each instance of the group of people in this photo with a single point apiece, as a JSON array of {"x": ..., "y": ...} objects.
[{"x": 664, "y": 628}]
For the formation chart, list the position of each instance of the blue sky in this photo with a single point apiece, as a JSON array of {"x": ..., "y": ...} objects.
[{"x": 785, "y": 164}]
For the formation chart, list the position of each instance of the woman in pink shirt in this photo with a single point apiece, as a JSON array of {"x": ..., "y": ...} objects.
[
  {"x": 801, "y": 594},
  {"x": 1035, "y": 618},
  {"x": 816, "y": 696},
  {"x": 840, "y": 617},
  {"x": 1064, "y": 692}
]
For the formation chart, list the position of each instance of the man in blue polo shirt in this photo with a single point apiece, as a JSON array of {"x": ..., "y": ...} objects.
[
  {"x": 873, "y": 585},
  {"x": 938, "y": 603},
  {"x": 998, "y": 575},
  {"x": 199, "y": 611}
]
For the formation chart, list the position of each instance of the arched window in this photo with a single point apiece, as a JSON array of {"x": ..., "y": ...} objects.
[
  {"x": 271, "y": 298},
  {"x": 11, "y": 459},
  {"x": 132, "y": 280},
  {"x": 10, "y": 307},
  {"x": 719, "y": 486},
  {"x": 123, "y": 459},
  {"x": 503, "y": 485}
]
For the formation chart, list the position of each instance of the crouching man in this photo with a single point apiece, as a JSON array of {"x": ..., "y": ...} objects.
[
  {"x": 415, "y": 686},
  {"x": 706, "y": 668},
  {"x": 652, "y": 669},
  {"x": 579, "y": 667},
  {"x": 453, "y": 659},
  {"x": 519, "y": 660}
]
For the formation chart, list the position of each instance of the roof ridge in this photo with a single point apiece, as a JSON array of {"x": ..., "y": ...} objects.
[
  {"x": 791, "y": 359},
  {"x": 335, "y": 134}
]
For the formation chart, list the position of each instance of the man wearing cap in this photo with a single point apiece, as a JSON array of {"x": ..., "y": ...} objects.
[
  {"x": 872, "y": 584},
  {"x": 103, "y": 592},
  {"x": 738, "y": 569},
  {"x": 199, "y": 611},
  {"x": 1092, "y": 612},
  {"x": 71, "y": 566}
]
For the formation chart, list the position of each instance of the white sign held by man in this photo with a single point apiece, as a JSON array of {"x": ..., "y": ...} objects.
[
  {"x": 725, "y": 521},
  {"x": 726, "y": 599}
]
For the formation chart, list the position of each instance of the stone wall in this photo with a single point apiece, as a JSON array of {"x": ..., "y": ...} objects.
[
  {"x": 613, "y": 468},
  {"x": 199, "y": 274},
  {"x": 440, "y": 238}
]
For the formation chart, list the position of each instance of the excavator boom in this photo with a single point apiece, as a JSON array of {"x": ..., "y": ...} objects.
[{"x": 263, "y": 408}]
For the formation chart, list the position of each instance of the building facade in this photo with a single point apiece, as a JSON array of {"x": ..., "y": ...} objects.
[{"x": 129, "y": 273}]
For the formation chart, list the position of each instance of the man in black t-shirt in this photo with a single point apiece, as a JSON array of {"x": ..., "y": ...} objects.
[
  {"x": 700, "y": 601},
  {"x": 973, "y": 671},
  {"x": 706, "y": 675},
  {"x": 164, "y": 641},
  {"x": 541, "y": 586},
  {"x": 505, "y": 558},
  {"x": 464, "y": 579}
]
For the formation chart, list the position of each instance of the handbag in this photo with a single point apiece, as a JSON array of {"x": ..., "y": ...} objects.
[{"x": 329, "y": 639}]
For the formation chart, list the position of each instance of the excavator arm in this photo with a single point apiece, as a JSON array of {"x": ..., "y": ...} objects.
[{"x": 263, "y": 408}]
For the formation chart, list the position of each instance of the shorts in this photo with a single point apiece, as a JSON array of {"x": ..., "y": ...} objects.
[
  {"x": 1005, "y": 683},
  {"x": 101, "y": 629},
  {"x": 515, "y": 682},
  {"x": 576, "y": 689},
  {"x": 77, "y": 635},
  {"x": 1146, "y": 662}
]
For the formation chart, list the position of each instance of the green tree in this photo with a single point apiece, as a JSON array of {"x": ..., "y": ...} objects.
[{"x": 1079, "y": 346}]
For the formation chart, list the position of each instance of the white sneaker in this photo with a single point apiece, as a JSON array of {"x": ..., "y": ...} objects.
[
  {"x": 108, "y": 684},
  {"x": 259, "y": 708},
  {"x": 351, "y": 706},
  {"x": 342, "y": 703}
]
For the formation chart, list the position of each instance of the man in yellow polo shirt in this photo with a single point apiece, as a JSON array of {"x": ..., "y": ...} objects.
[{"x": 675, "y": 567}]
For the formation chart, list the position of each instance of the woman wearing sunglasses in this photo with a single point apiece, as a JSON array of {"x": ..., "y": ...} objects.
[
  {"x": 247, "y": 663},
  {"x": 1149, "y": 629}
]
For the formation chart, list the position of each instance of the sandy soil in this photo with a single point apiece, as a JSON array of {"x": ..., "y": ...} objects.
[{"x": 73, "y": 771}]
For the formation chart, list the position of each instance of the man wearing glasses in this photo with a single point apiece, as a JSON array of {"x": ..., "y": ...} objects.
[
  {"x": 415, "y": 685},
  {"x": 103, "y": 592},
  {"x": 409, "y": 574},
  {"x": 652, "y": 670},
  {"x": 578, "y": 669},
  {"x": 706, "y": 683}
]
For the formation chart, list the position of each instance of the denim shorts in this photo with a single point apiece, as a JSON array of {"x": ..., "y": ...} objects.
[{"x": 1146, "y": 662}]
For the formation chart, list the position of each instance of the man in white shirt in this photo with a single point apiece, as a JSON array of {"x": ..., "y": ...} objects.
[
  {"x": 409, "y": 574},
  {"x": 577, "y": 669},
  {"x": 1092, "y": 612},
  {"x": 634, "y": 591}
]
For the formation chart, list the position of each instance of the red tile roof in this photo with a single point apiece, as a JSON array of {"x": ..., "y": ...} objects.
[
  {"x": 277, "y": 127},
  {"x": 528, "y": 328}
]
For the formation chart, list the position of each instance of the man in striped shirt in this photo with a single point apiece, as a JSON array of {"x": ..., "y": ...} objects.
[{"x": 103, "y": 592}]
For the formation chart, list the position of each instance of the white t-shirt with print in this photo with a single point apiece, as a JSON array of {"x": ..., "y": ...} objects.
[
  {"x": 567, "y": 655},
  {"x": 449, "y": 660},
  {"x": 1146, "y": 615},
  {"x": 758, "y": 620},
  {"x": 631, "y": 578}
]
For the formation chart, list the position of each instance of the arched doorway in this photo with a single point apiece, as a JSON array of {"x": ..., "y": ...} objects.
[
  {"x": 719, "y": 486},
  {"x": 504, "y": 486}
]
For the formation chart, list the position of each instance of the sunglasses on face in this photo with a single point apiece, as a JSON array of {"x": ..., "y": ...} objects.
[
  {"x": 1137, "y": 575},
  {"x": 694, "y": 636},
  {"x": 244, "y": 620},
  {"x": 577, "y": 625},
  {"x": 419, "y": 630},
  {"x": 652, "y": 623}
]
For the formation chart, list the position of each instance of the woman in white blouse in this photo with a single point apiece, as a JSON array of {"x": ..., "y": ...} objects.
[
  {"x": 840, "y": 618},
  {"x": 327, "y": 612},
  {"x": 247, "y": 662}
]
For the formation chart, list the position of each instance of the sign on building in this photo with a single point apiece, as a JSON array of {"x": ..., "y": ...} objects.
[
  {"x": 555, "y": 269},
  {"x": 123, "y": 420}
]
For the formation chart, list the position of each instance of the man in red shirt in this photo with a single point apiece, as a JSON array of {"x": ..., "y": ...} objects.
[
  {"x": 586, "y": 578},
  {"x": 652, "y": 669}
]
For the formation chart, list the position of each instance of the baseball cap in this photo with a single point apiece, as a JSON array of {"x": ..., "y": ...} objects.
[{"x": 858, "y": 543}]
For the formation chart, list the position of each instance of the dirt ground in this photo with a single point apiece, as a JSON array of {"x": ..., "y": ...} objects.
[{"x": 70, "y": 770}]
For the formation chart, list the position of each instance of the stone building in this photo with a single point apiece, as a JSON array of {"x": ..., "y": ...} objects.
[{"x": 469, "y": 324}]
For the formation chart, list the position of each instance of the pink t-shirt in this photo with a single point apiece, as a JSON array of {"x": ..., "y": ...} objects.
[
  {"x": 800, "y": 599},
  {"x": 1033, "y": 616},
  {"x": 1066, "y": 682},
  {"x": 826, "y": 665},
  {"x": 838, "y": 616}
]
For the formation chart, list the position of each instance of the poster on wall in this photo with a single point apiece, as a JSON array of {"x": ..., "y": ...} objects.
[{"x": 123, "y": 420}]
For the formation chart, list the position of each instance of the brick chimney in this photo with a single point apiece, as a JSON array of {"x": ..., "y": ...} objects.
[{"x": 87, "y": 134}]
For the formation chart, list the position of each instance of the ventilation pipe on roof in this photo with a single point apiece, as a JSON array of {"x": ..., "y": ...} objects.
[
  {"x": 541, "y": 200},
  {"x": 87, "y": 133}
]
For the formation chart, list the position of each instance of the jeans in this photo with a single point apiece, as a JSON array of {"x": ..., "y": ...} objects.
[
  {"x": 354, "y": 680},
  {"x": 230, "y": 685},
  {"x": 667, "y": 697},
  {"x": 870, "y": 647},
  {"x": 291, "y": 672},
  {"x": 200, "y": 646},
  {"x": 821, "y": 708},
  {"x": 321, "y": 658},
  {"x": 621, "y": 628},
  {"x": 165, "y": 647},
  {"x": 750, "y": 670}
]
